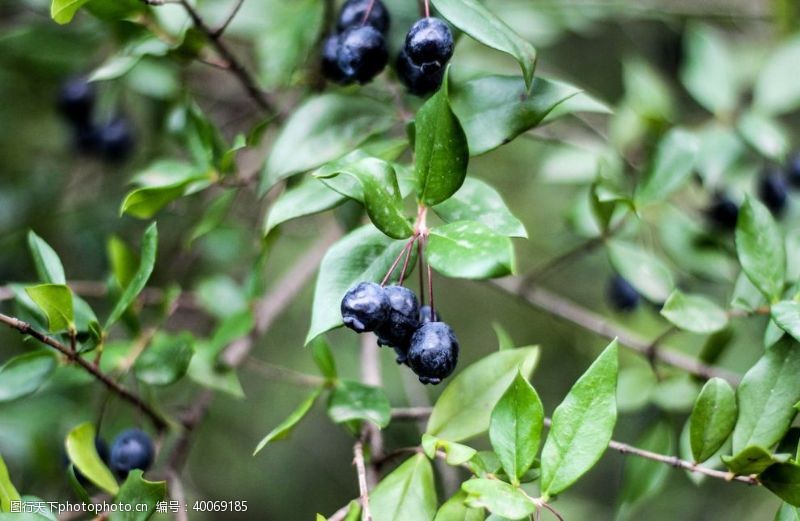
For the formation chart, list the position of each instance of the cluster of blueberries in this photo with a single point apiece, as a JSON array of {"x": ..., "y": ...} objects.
[
  {"x": 132, "y": 449},
  {"x": 420, "y": 339},
  {"x": 358, "y": 51},
  {"x": 112, "y": 140}
]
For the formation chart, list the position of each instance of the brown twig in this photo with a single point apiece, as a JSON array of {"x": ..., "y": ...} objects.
[
  {"x": 221, "y": 29},
  {"x": 363, "y": 491}
]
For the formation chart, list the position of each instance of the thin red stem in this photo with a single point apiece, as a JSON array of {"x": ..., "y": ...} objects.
[
  {"x": 430, "y": 290},
  {"x": 368, "y": 12},
  {"x": 397, "y": 261},
  {"x": 427, "y": 9},
  {"x": 408, "y": 257},
  {"x": 421, "y": 273}
]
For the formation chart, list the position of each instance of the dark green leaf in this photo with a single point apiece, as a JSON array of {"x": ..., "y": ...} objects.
[
  {"x": 166, "y": 360},
  {"x": 308, "y": 197},
  {"x": 761, "y": 250},
  {"x": 148, "y": 260},
  {"x": 499, "y": 498},
  {"x": 82, "y": 453},
  {"x": 351, "y": 400},
  {"x": 454, "y": 509},
  {"x": 469, "y": 250},
  {"x": 752, "y": 460},
  {"x": 214, "y": 216},
  {"x": 25, "y": 373},
  {"x": 477, "y": 201},
  {"x": 286, "y": 427},
  {"x": 646, "y": 272},
  {"x": 405, "y": 494},
  {"x": 671, "y": 168},
  {"x": 55, "y": 301},
  {"x": 694, "y": 313},
  {"x": 7, "y": 491},
  {"x": 783, "y": 480},
  {"x": 713, "y": 418},
  {"x": 643, "y": 478},
  {"x": 48, "y": 265},
  {"x": 138, "y": 491}
]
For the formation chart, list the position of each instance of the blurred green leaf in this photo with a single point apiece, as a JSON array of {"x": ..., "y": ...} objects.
[
  {"x": 646, "y": 272},
  {"x": 62, "y": 11},
  {"x": 454, "y": 509},
  {"x": 477, "y": 201},
  {"x": 214, "y": 215},
  {"x": 206, "y": 371},
  {"x": 286, "y": 427},
  {"x": 407, "y": 493},
  {"x": 760, "y": 247},
  {"x": 498, "y": 497},
  {"x": 671, "y": 168},
  {"x": 786, "y": 315},
  {"x": 137, "y": 284},
  {"x": 308, "y": 197},
  {"x": 767, "y": 135},
  {"x": 352, "y": 400},
  {"x": 776, "y": 90},
  {"x": 694, "y": 313},
  {"x": 166, "y": 359},
  {"x": 713, "y": 418},
  {"x": 710, "y": 70},
  {"x": 469, "y": 250},
  {"x": 55, "y": 300},
  {"x": 455, "y": 453},
  {"x": 7, "y": 491},
  {"x": 787, "y": 513},
  {"x": 643, "y": 478},
  {"x": 82, "y": 453},
  {"x": 323, "y": 356},
  {"x": 123, "y": 261},
  {"x": 138, "y": 491},
  {"x": 24, "y": 374},
  {"x": 48, "y": 265},
  {"x": 160, "y": 184}
]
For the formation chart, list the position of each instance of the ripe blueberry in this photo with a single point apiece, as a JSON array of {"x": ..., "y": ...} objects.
[
  {"x": 433, "y": 354},
  {"x": 418, "y": 82},
  {"x": 330, "y": 61},
  {"x": 773, "y": 190},
  {"x": 402, "y": 321},
  {"x": 622, "y": 295},
  {"x": 353, "y": 11},
  {"x": 425, "y": 315},
  {"x": 76, "y": 101},
  {"x": 362, "y": 53},
  {"x": 793, "y": 170},
  {"x": 723, "y": 212},
  {"x": 115, "y": 139},
  {"x": 429, "y": 43},
  {"x": 132, "y": 449},
  {"x": 365, "y": 307}
]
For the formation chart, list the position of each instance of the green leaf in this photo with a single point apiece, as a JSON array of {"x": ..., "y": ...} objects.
[
  {"x": 308, "y": 197},
  {"x": 455, "y": 453},
  {"x": 286, "y": 427},
  {"x": 643, "y": 478},
  {"x": 582, "y": 424},
  {"x": 496, "y": 109},
  {"x": 62, "y": 11},
  {"x": 213, "y": 216},
  {"x": 515, "y": 428},
  {"x": 752, "y": 460},
  {"x": 776, "y": 91},
  {"x": 786, "y": 315},
  {"x": 138, "y": 491},
  {"x": 710, "y": 70},
  {"x": 24, "y": 374},
  {"x": 440, "y": 150},
  {"x": 787, "y": 513},
  {"x": 324, "y": 128},
  {"x": 767, "y": 135},
  {"x": 166, "y": 360},
  {"x": 206, "y": 371},
  {"x": 642, "y": 269},
  {"x": 766, "y": 397},
  {"x": 405, "y": 494},
  {"x": 7, "y": 491},
  {"x": 713, "y": 418},
  {"x": 123, "y": 261},
  {"x": 363, "y": 254},
  {"x": 477, "y": 201},
  {"x": 454, "y": 509},
  {"x": 352, "y": 400},
  {"x": 694, "y": 313},
  {"x": 48, "y": 265},
  {"x": 469, "y": 250},
  {"x": 148, "y": 261},
  {"x": 761, "y": 250},
  {"x": 83, "y": 454},
  {"x": 55, "y": 301},
  {"x": 464, "y": 408},
  {"x": 476, "y": 20},
  {"x": 160, "y": 184},
  {"x": 783, "y": 480},
  {"x": 671, "y": 168},
  {"x": 498, "y": 497},
  {"x": 323, "y": 357}
]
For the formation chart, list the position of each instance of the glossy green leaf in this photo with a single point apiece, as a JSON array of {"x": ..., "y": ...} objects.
[
  {"x": 407, "y": 493},
  {"x": 123, "y": 261},
  {"x": 477, "y": 201},
  {"x": 440, "y": 150},
  {"x": 713, "y": 418},
  {"x": 23, "y": 374},
  {"x": 323, "y": 356},
  {"x": 8, "y": 492},
  {"x": 643, "y": 478},
  {"x": 646, "y": 272},
  {"x": 62, "y": 11},
  {"x": 498, "y": 498},
  {"x": 671, "y": 168},
  {"x": 786, "y": 315},
  {"x": 364, "y": 254},
  {"x": 352, "y": 400},
  {"x": 455, "y": 453},
  {"x": 464, "y": 408},
  {"x": 82, "y": 453},
  {"x": 469, "y": 250},
  {"x": 480, "y": 23},
  {"x": 324, "y": 128},
  {"x": 710, "y": 70},
  {"x": 48, "y": 265},
  {"x": 776, "y": 90},
  {"x": 308, "y": 197},
  {"x": 752, "y": 460},
  {"x": 515, "y": 428},
  {"x": 694, "y": 313},
  {"x": 761, "y": 250},
  {"x": 286, "y": 427},
  {"x": 783, "y": 480},
  {"x": 138, "y": 491},
  {"x": 160, "y": 184},
  {"x": 496, "y": 109},
  {"x": 454, "y": 509},
  {"x": 139, "y": 280},
  {"x": 55, "y": 301},
  {"x": 582, "y": 424},
  {"x": 766, "y": 134},
  {"x": 166, "y": 359},
  {"x": 766, "y": 396}
]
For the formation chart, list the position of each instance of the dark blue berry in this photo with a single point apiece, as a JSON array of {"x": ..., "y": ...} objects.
[
  {"x": 418, "y": 82},
  {"x": 621, "y": 295},
  {"x": 115, "y": 139},
  {"x": 76, "y": 101},
  {"x": 773, "y": 190},
  {"x": 403, "y": 320},
  {"x": 429, "y": 44},
  {"x": 353, "y": 12},
  {"x": 433, "y": 354},
  {"x": 723, "y": 212},
  {"x": 132, "y": 449},
  {"x": 365, "y": 307},
  {"x": 330, "y": 61},
  {"x": 362, "y": 53},
  {"x": 793, "y": 170},
  {"x": 86, "y": 139},
  {"x": 425, "y": 315}
]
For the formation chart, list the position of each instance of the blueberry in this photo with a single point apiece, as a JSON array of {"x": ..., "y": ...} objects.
[
  {"x": 353, "y": 11},
  {"x": 425, "y": 315},
  {"x": 433, "y": 354},
  {"x": 101, "y": 447},
  {"x": 723, "y": 212},
  {"x": 365, "y": 307},
  {"x": 362, "y": 53},
  {"x": 773, "y": 190},
  {"x": 330, "y": 61},
  {"x": 418, "y": 82},
  {"x": 793, "y": 170},
  {"x": 429, "y": 43},
  {"x": 403, "y": 320},
  {"x": 115, "y": 139},
  {"x": 132, "y": 449},
  {"x": 622, "y": 295},
  {"x": 76, "y": 101},
  {"x": 86, "y": 139}
]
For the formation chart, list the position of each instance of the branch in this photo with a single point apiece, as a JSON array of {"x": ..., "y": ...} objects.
[
  {"x": 563, "y": 308},
  {"x": 358, "y": 451},
  {"x": 26, "y": 329},
  {"x": 221, "y": 29}
]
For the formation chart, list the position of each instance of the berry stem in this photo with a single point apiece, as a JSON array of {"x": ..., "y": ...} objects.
[
  {"x": 427, "y": 9},
  {"x": 397, "y": 260},
  {"x": 408, "y": 257},
  {"x": 368, "y": 12},
  {"x": 430, "y": 290},
  {"x": 421, "y": 272}
]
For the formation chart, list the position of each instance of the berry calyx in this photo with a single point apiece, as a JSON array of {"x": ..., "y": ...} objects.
[
  {"x": 621, "y": 295},
  {"x": 773, "y": 190},
  {"x": 723, "y": 212},
  {"x": 365, "y": 307},
  {"x": 353, "y": 12},
  {"x": 433, "y": 353},
  {"x": 429, "y": 43},
  {"x": 132, "y": 449},
  {"x": 415, "y": 79},
  {"x": 362, "y": 53},
  {"x": 76, "y": 101}
]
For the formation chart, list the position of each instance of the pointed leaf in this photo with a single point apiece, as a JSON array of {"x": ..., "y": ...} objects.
[
  {"x": 48, "y": 265},
  {"x": 146, "y": 264},
  {"x": 694, "y": 313},
  {"x": 286, "y": 427},
  {"x": 25, "y": 373},
  {"x": 166, "y": 360},
  {"x": 407, "y": 493},
  {"x": 55, "y": 301},
  {"x": 82, "y": 453},
  {"x": 469, "y": 250},
  {"x": 713, "y": 418},
  {"x": 671, "y": 168},
  {"x": 137, "y": 491},
  {"x": 710, "y": 70},
  {"x": 308, "y": 197},
  {"x": 62, "y": 11},
  {"x": 646, "y": 272}
]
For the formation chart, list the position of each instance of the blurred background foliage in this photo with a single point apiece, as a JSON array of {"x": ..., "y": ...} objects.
[{"x": 634, "y": 56}]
